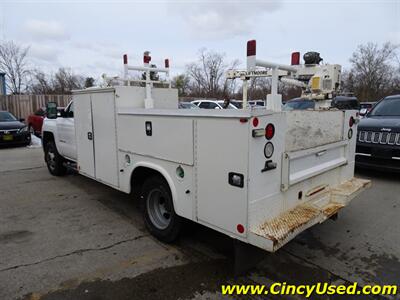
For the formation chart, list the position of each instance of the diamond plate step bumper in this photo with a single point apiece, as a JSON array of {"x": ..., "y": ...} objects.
[{"x": 286, "y": 226}]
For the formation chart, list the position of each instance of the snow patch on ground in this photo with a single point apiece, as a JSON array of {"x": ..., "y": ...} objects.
[{"x": 35, "y": 142}]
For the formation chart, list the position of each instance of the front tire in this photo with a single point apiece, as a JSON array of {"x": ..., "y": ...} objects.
[
  {"x": 54, "y": 160},
  {"x": 158, "y": 210},
  {"x": 31, "y": 129}
]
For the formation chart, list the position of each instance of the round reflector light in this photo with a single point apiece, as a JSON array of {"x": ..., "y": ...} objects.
[
  {"x": 268, "y": 149},
  {"x": 269, "y": 131},
  {"x": 240, "y": 228},
  {"x": 255, "y": 122}
]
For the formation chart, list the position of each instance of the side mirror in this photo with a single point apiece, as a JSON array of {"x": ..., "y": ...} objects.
[
  {"x": 363, "y": 112},
  {"x": 22, "y": 120},
  {"x": 51, "y": 110},
  {"x": 217, "y": 107}
]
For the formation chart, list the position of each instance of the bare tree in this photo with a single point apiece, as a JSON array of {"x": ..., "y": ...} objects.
[
  {"x": 62, "y": 82},
  {"x": 13, "y": 63},
  {"x": 207, "y": 75},
  {"x": 39, "y": 83},
  {"x": 373, "y": 73},
  {"x": 181, "y": 82}
]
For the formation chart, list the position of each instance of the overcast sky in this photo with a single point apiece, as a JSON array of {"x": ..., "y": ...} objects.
[{"x": 91, "y": 36}]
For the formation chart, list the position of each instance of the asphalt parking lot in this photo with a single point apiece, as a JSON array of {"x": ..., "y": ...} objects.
[{"x": 73, "y": 238}]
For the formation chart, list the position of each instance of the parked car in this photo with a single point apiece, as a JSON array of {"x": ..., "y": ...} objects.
[
  {"x": 365, "y": 107},
  {"x": 345, "y": 103},
  {"x": 237, "y": 103},
  {"x": 12, "y": 130},
  {"x": 299, "y": 104},
  {"x": 339, "y": 102},
  {"x": 251, "y": 103},
  {"x": 212, "y": 104},
  {"x": 187, "y": 105},
  {"x": 35, "y": 120},
  {"x": 257, "y": 102},
  {"x": 378, "y": 138}
]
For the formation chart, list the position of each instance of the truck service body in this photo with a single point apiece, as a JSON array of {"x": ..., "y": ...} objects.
[{"x": 259, "y": 175}]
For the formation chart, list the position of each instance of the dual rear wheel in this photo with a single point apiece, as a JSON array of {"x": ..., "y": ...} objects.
[{"x": 158, "y": 210}]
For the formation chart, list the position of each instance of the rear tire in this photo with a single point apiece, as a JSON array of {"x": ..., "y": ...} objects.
[
  {"x": 54, "y": 160},
  {"x": 158, "y": 210}
]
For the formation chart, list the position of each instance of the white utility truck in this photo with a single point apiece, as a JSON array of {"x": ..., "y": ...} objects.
[{"x": 259, "y": 175}]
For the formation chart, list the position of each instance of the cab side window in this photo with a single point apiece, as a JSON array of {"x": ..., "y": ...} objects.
[{"x": 70, "y": 111}]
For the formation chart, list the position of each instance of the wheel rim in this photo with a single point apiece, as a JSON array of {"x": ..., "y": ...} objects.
[
  {"x": 51, "y": 158},
  {"x": 158, "y": 209}
]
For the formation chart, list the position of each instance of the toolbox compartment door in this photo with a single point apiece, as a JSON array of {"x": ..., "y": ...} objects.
[
  {"x": 300, "y": 165},
  {"x": 83, "y": 132},
  {"x": 105, "y": 137}
]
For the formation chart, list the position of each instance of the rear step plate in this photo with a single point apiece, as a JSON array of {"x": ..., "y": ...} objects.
[{"x": 287, "y": 225}]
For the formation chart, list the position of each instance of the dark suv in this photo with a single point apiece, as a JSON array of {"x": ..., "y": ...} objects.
[
  {"x": 339, "y": 102},
  {"x": 378, "y": 137}
]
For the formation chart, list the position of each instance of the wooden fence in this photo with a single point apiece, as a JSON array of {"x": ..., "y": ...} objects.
[{"x": 22, "y": 106}]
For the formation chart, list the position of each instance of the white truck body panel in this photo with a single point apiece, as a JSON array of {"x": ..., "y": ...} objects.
[
  {"x": 221, "y": 147},
  {"x": 105, "y": 141},
  {"x": 312, "y": 180},
  {"x": 172, "y": 138},
  {"x": 312, "y": 128},
  {"x": 84, "y": 124}
]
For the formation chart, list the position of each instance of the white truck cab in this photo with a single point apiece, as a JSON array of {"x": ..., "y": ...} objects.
[
  {"x": 61, "y": 131},
  {"x": 259, "y": 175}
]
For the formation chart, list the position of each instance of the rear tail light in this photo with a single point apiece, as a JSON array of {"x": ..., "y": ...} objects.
[
  {"x": 269, "y": 131},
  {"x": 295, "y": 58},
  {"x": 351, "y": 121}
]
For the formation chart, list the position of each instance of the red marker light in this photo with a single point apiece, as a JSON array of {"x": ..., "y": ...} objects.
[
  {"x": 240, "y": 228},
  {"x": 255, "y": 122},
  {"x": 351, "y": 121},
  {"x": 251, "y": 48},
  {"x": 146, "y": 59},
  {"x": 125, "y": 59},
  {"x": 166, "y": 63},
  {"x": 269, "y": 131},
  {"x": 243, "y": 120},
  {"x": 295, "y": 58}
]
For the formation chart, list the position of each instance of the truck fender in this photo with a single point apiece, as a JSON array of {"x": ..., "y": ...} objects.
[{"x": 163, "y": 173}]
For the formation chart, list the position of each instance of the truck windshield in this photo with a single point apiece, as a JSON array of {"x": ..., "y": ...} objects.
[
  {"x": 387, "y": 107},
  {"x": 5, "y": 116}
]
